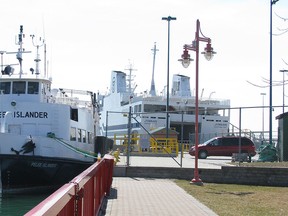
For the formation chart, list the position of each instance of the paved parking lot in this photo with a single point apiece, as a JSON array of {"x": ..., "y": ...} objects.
[{"x": 187, "y": 161}]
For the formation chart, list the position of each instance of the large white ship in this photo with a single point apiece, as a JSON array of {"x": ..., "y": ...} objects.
[
  {"x": 149, "y": 111},
  {"x": 47, "y": 136}
]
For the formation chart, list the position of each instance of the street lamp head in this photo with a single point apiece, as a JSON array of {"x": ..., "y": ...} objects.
[
  {"x": 208, "y": 52},
  {"x": 185, "y": 58},
  {"x": 169, "y": 18}
]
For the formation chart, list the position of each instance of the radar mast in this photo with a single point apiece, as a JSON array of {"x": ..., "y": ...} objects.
[{"x": 152, "y": 90}]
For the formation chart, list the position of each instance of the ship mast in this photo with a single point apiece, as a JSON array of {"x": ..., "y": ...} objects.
[
  {"x": 152, "y": 90},
  {"x": 21, "y": 50},
  {"x": 130, "y": 68}
]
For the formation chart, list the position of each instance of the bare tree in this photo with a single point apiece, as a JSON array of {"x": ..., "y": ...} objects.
[{"x": 282, "y": 31}]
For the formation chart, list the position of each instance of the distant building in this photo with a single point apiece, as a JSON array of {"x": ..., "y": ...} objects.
[{"x": 282, "y": 144}]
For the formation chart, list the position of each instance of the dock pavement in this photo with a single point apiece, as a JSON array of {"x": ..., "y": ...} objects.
[
  {"x": 162, "y": 197},
  {"x": 147, "y": 197}
]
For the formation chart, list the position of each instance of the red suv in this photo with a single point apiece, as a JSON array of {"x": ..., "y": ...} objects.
[{"x": 224, "y": 146}]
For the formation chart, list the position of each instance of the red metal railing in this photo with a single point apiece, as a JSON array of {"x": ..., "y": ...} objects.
[{"x": 83, "y": 195}]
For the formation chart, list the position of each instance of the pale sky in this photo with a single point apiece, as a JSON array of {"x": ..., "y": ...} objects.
[{"x": 88, "y": 39}]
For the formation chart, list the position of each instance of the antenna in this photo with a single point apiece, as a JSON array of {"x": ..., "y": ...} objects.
[
  {"x": 37, "y": 59},
  {"x": 21, "y": 50},
  {"x": 152, "y": 90},
  {"x": 2, "y": 52},
  {"x": 45, "y": 61},
  {"x": 130, "y": 77},
  {"x": 45, "y": 51}
]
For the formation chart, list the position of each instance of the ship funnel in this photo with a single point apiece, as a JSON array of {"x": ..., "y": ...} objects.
[
  {"x": 181, "y": 86},
  {"x": 118, "y": 82}
]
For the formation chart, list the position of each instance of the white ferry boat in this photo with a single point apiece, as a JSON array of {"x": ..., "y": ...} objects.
[
  {"x": 149, "y": 111},
  {"x": 47, "y": 135}
]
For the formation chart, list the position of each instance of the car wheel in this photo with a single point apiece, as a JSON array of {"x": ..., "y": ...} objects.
[{"x": 202, "y": 154}]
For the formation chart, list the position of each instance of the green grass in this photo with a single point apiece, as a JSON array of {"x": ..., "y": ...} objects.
[{"x": 238, "y": 200}]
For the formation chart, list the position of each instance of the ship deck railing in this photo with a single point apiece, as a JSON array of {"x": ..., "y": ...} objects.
[
  {"x": 72, "y": 102},
  {"x": 186, "y": 100}
]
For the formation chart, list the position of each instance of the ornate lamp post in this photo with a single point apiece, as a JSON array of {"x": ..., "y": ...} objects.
[{"x": 185, "y": 59}]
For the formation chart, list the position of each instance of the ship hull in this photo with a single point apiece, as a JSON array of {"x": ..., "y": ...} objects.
[{"x": 20, "y": 173}]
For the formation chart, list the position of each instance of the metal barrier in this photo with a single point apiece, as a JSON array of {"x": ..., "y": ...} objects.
[
  {"x": 157, "y": 144},
  {"x": 122, "y": 139},
  {"x": 81, "y": 196},
  {"x": 186, "y": 147},
  {"x": 164, "y": 145}
]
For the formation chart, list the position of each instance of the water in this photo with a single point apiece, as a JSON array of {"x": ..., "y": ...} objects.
[{"x": 17, "y": 205}]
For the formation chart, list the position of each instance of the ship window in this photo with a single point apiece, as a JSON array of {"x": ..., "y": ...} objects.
[
  {"x": 137, "y": 108},
  {"x": 5, "y": 87},
  {"x": 74, "y": 114},
  {"x": 90, "y": 136},
  {"x": 79, "y": 135},
  {"x": 19, "y": 87},
  {"x": 73, "y": 134},
  {"x": 33, "y": 87},
  {"x": 83, "y": 136},
  {"x": 154, "y": 108}
]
